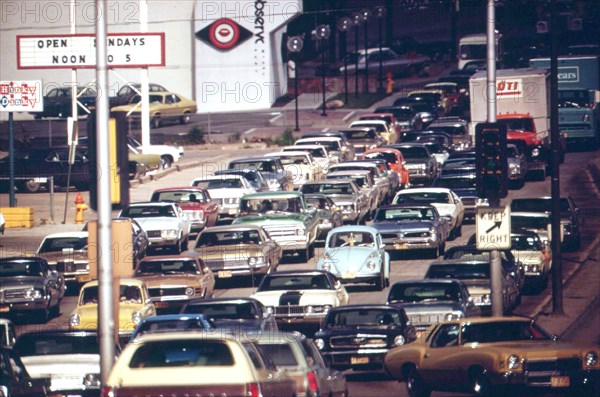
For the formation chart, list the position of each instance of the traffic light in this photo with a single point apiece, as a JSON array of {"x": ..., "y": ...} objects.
[{"x": 491, "y": 164}]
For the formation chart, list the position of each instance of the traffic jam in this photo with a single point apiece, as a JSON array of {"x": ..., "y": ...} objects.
[{"x": 352, "y": 257}]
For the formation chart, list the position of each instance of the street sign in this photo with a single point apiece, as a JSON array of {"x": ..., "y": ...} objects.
[
  {"x": 492, "y": 228},
  {"x": 78, "y": 51},
  {"x": 21, "y": 96}
]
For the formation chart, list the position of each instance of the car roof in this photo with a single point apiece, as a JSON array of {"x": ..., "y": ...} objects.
[
  {"x": 272, "y": 194},
  {"x": 305, "y": 146},
  {"x": 169, "y": 258},
  {"x": 205, "y": 301},
  {"x": 252, "y": 159},
  {"x": 354, "y": 228},
  {"x": 289, "y": 153},
  {"x": 321, "y": 138},
  {"x": 219, "y": 177},
  {"x": 185, "y": 188},
  {"x": 122, "y": 281},
  {"x": 153, "y": 203},
  {"x": 381, "y": 306},
  {"x": 67, "y": 234},
  {"x": 427, "y": 281},
  {"x": 425, "y": 190}
]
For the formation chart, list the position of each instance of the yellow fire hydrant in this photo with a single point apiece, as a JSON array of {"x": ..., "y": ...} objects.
[
  {"x": 80, "y": 206},
  {"x": 389, "y": 87}
]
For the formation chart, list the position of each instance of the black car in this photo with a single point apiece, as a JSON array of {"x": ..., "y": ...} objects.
[
  {"x": 571, "y": 219},
  {"x": 34, "y": 168},
  {"x": 255, "y": 177},
  {"x": 358, "y": 336},
  {"x": 420, "y": 163},
  {"x": 406, "y": 116},
  {"x": 14, "y": 378},
  {"x": 58, "y": 102},
  {"x": 233, "y": 314}
]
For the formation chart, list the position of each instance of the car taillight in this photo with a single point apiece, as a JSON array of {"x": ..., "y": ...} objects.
[
  {"x": 313, "y": 385},
  {"x": 252, "y": 390},
  {"x": 108, "y": 392}
]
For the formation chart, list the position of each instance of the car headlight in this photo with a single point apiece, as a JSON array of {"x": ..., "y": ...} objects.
[
  {"x": 309, "y": 309},
  {"x": 255, "y": 261},
  {"x": 591, "y": 358},
  {"x": 321, "y": 309},
  {"x": 514, "y": 166},
  {"x": 189, "y": 291},
  {"x": 320, "y": 343},
  {"x": 34, "y": 294},
  {"x": 433, "y": 233},
  {"x": 91, "y": 380},
  {"x": 327, "y": 267},
  {"x": 136, "y": 317},
  {"x": 371, "y": 265},
  {"x": 513, "y": 361},
  {"x": 486, "y": 298},
  {"x": 482, "y": 201},
  {"x": 300, "y": 232},
  {"x": 270, "y": 309},
  {"x": 535, "y": 152},
  {"x": 453, "y": 316},
  {"x": 399, "y": 340},
  {"x": 74, "y": 320},
  {"x": 168, "y": 233}
]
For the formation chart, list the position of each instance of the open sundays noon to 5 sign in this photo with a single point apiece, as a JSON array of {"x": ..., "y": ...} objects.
[{"x": 72, "y": 51}]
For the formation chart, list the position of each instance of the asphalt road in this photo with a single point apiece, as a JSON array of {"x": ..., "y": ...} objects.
[{"x": 404, "y": 265}]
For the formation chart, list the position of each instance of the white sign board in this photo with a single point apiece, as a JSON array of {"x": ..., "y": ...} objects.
[
  {"x": 21, "y": 96},
  {"x": 75, "y": 51},
  {"x": 509, "y": 88},
  {"x": 492, "y": 228}
]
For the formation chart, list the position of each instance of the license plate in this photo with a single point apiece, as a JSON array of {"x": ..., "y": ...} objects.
[
  {"x": 84, "y": 278},
  {"x": 359, "y": 360},
  {"x": 348, "y": 275},
  {"x": 560, "y": 381},
  {"x": 4, "y": 309},
  {"x": 161, "y": 305},
  {"x": 400, "y": 246},
  {"x": 40, "y": 180},
  {"x": 224, "y": 274},
  {"x": 232, "y": 211}
]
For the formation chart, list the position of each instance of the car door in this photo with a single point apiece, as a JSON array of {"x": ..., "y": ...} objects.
[
  {"x": 268, "y": 375},
  {"x": 439, "y": 363}
]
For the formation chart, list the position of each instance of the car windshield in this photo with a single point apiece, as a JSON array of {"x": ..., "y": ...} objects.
[
  {"x": 327, "y": 188},
  {"x": 573, "y": 99},
  {"x": 318, "y": 153},
  {"x": 127, "y": 294},
  {"x": 158, "y": 266},
  {"x": 460, "y": 271},
  {"x": 281, "y": 354},
  {"x": 449, "y": 129},
  {"x": 529, "y": 222},
  {"x": 455, "y": 183},
  {"x": 501, "y": 331},
  {"x": 182, "y": 353},
  {"x": 405, "y": 214},
  {"x": 519, "y": 124},
  {"x": 426, "y": 96},
  {"x": 526, "y": 243},
  {"x": 270, "y": 205},
  {"x": 149, "y": 211},
  {"x": 264, "y": 166},
  {"x": 351, "y": 239},
  {"x": 363, "y": 317},
  {"x": 387, "y": 156},
  {"x": 321, "y": 203},
  {"x": 358, "y": 135},
  {"x": 46, "y": 345},
  {"x": 538, "y": 205},
  {"x": 223, "y": 310},
  {"x": 63, "y": 243},
  {"x": 360, "y": 181},
  {"x": 423, "y": 198},
  {"x": 276, "y": 282},
  {"x": 235, "y": 237},
  {"x": 401, "y": 113},
  {"x": 20, "y": 268},
  {"x": 294, "y": 160},
  {"x": 180, "y": 196},
  {"x": 230, "y": 183},
  {"x": 172, "y": 325},
  {"x": 329, "y": 145},
  {"x": 424, "y": 292},
  {"x": 413, "y": 153}
]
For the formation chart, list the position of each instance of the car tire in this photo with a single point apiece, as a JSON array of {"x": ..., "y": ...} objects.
[
  {"x": 55, "y": 311},
  {"x": 415, "y": 385},
  {"x": 480, "y": 384},
  {"x": 155, "y": 122},
  {"x": 380, "y": 282},
  {"x": 185, "y": 119},
  {"x": 30, "y": 186},
  {"x": 166, "y": 162},
  {"x": 43, "y": 315}
]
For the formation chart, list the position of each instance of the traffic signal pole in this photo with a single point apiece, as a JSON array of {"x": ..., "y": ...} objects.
[{"x": 495, "y": 265}]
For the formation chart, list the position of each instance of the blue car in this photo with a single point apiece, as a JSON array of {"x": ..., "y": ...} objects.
[
  {"x": 172, "y": 323},
  {"x": 356, "y": 254}
]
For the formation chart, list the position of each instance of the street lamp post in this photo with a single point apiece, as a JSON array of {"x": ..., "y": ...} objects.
[
  {"x": 380, "y": 14},
  {"x": 323, "y": 33},
  {"x": 294, "y": 45},
  {"x": 366, "y": 13},
  {"x": 357, "y": 18},
  {"x": 343, "y": 25}
]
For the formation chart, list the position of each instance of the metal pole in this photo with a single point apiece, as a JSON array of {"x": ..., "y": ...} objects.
[
  {"x": 11, "y": 161},
  {"x": 51, "y": 199},
  {"x": 356, "y": 62},
  {"x": 366, "y": 58},
  {"x": 106, "y": 321},
  {"x": 144, "y": 82},
  {"x": 380, "y": 89},
  {"x": 495, "y": 265},
  {"x": 324, "y": 112},
  {"x": 557, "y": 290},
  {"x": 296, "y": 97},
  {"x": 453, "y": 28},
  {"x": 345, "y": 67}
]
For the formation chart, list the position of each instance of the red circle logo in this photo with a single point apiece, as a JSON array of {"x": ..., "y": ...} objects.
[{"x": 224, "y": 33}]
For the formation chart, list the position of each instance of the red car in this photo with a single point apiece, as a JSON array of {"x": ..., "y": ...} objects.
[
  {"x": 395, "y": 160},
  {"x": 196, "y": 202}
]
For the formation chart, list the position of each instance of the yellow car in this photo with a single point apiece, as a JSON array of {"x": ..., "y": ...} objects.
[
  {"x": 163, "y": 106},
  {"x": 134, "y": 305},
  {"x": 494, "y": 356}
]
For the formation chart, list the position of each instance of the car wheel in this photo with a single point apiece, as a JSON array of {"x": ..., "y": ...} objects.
[
  {"x": 380, "y": 282},
  {"x": 165, "y": 162},
  {"x": 43, "y": 315},
  {"x": 185, "y": 119},
  {"x": 415, "y": 385},
  {"x": 30, "y": 186},
  {"x": 55, "y": 311},
  {"x": 155, "y": 122},
  {"x": 480, "y": 384}
]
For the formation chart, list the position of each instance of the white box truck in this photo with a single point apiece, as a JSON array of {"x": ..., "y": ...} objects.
[{"x": 523, "y": 105}]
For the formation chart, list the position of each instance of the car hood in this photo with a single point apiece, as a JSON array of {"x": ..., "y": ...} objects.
[
  {"x": 19, "y": 282},
  {"x": 477, "y": 286},
  {"x": 437, "y": 307},
  {"x": 528, "y": 136},
  {"x": 228, "y": 192},
  {"x": 89, "y": 316},
  {"x": 62, "y": 364},
  {"x": 349, "y": 259},
  {"x": 170, "y": 280},
  {"x": 159, "y": 222},
  {"x": 342, "y": 198},
  {"x": 307, "y": 297},
  {"x": 402, "y": 226},
  {"x": 540, "y": 349},
  {"x": 271, "y": 219}
]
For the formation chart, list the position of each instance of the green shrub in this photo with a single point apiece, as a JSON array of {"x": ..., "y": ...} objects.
[
  {"x": 195, "y": 135},
  {"x": 286, "y": 138}
]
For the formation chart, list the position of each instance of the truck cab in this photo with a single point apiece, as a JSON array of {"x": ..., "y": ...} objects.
[{"x": 473, "y": 47}]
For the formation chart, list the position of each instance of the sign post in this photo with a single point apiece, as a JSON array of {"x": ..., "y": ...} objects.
[{"x": 18, "y": 96}]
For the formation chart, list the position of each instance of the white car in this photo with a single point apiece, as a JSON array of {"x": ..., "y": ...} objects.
[
  {"x": 319, "y": 153},
  {"x": 227, "y": 190},
  {"x": 379, "y": 178},
  {"x": 168, "y": 154},
  {"x": 380, "y": 126},
  {"x": 165, "y": 223},
  {"x": 302, "y": 296},
  {"x": 448, "y": 204},
  {"x": 302, "y": 166},
  {"x": 334, "y": 145}
]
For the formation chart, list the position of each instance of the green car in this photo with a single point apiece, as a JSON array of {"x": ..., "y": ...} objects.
[{"x": 285, "y": 217}]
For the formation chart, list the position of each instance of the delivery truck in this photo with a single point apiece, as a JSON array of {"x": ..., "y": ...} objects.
[
  {"x": 523, "y": 105},
  {"x": 579, "y": 97}
]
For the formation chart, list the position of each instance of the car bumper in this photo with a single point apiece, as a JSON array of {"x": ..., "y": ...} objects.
[
  {"x": 229, "y": 210},
  {"x": 197, "y": 227},
  {"x": 23, "y": 307},
  {"x": 162, "y": 242},
  {"x": 316, "y": 318},
  {"x": 360, "y": 359},
  {"x": 350, "y": 216},
  {"x": 402, "y": 245},
  {"x": 551, "y": 381},
  {"x": 357, "y": 278},
  {"x": 229, "y": 270}
]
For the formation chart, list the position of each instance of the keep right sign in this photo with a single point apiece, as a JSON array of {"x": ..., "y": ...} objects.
[{"x": 492, "y": 228}]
